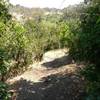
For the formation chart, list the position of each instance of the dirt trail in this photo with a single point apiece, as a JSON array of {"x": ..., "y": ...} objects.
[{"x": 54, "y": 78}]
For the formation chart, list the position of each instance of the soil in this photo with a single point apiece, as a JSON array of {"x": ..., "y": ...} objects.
[{"x": 56, "y": 77}]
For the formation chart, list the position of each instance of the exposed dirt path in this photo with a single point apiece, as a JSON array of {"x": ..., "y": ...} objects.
[{"x": 55, "y": 78}]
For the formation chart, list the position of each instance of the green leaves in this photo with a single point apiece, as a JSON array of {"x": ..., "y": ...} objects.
[
  {"x": 4, "y": 95},
  {"x": 85, "y": 47},
  {"x": 4, "y": 15}
]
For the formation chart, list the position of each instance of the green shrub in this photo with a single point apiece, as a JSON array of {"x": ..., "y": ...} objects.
[
  {"x": 42, "y": 36},
  {"x": 63, "y": 33},
  {"x": 4, "y": 94},
  {"x": 86, "y": 42},
  {"x": 18, "y": 49},
  {"x": 93, "y": 91},
  {"x": 84, "y": 46}
]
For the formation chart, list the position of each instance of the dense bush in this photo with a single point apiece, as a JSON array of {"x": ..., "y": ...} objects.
[
  {"x": 4, "y": 94},
  {"x": 84, "y": 46},
  {"x": 93, "y": 82},
  {"x": 63, "y": 33},
  {"x": 18, "y": 48},
  {"x": 43, "y": 36},
  {"x": 4, "y": 20}
]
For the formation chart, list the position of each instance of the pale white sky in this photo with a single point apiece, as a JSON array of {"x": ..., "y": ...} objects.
[{"x": 45, "y": 3}]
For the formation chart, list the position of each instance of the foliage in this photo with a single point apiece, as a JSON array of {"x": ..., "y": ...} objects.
[
  {"x": 42, "y": 36},
  {"x": 4, "y": 95},
  {"x": 89, "y": 73},
  {"x": 3, "y": 65},
  {"x": 84, "y": 46},
  {"x": 14, "y": 44},
  {"x": 93, "y": 82},
  {"x": 4, "y": 20},
  {"x": 17, "y": 48},
  {"x": 4, "y": 15},
  {"x": 63, "y": 33},
  {"x": 93, "y": 91}
]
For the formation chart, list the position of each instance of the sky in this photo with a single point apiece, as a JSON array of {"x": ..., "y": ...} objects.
[{"x": 45, "y": 3}]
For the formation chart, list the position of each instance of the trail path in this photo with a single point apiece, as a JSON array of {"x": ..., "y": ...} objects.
[{"x": 54, "y": 78}]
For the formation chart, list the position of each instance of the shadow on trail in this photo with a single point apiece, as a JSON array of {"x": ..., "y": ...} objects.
[
  {"x": 65, "y": 60},
  {"x": 54, "y": 87}
]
